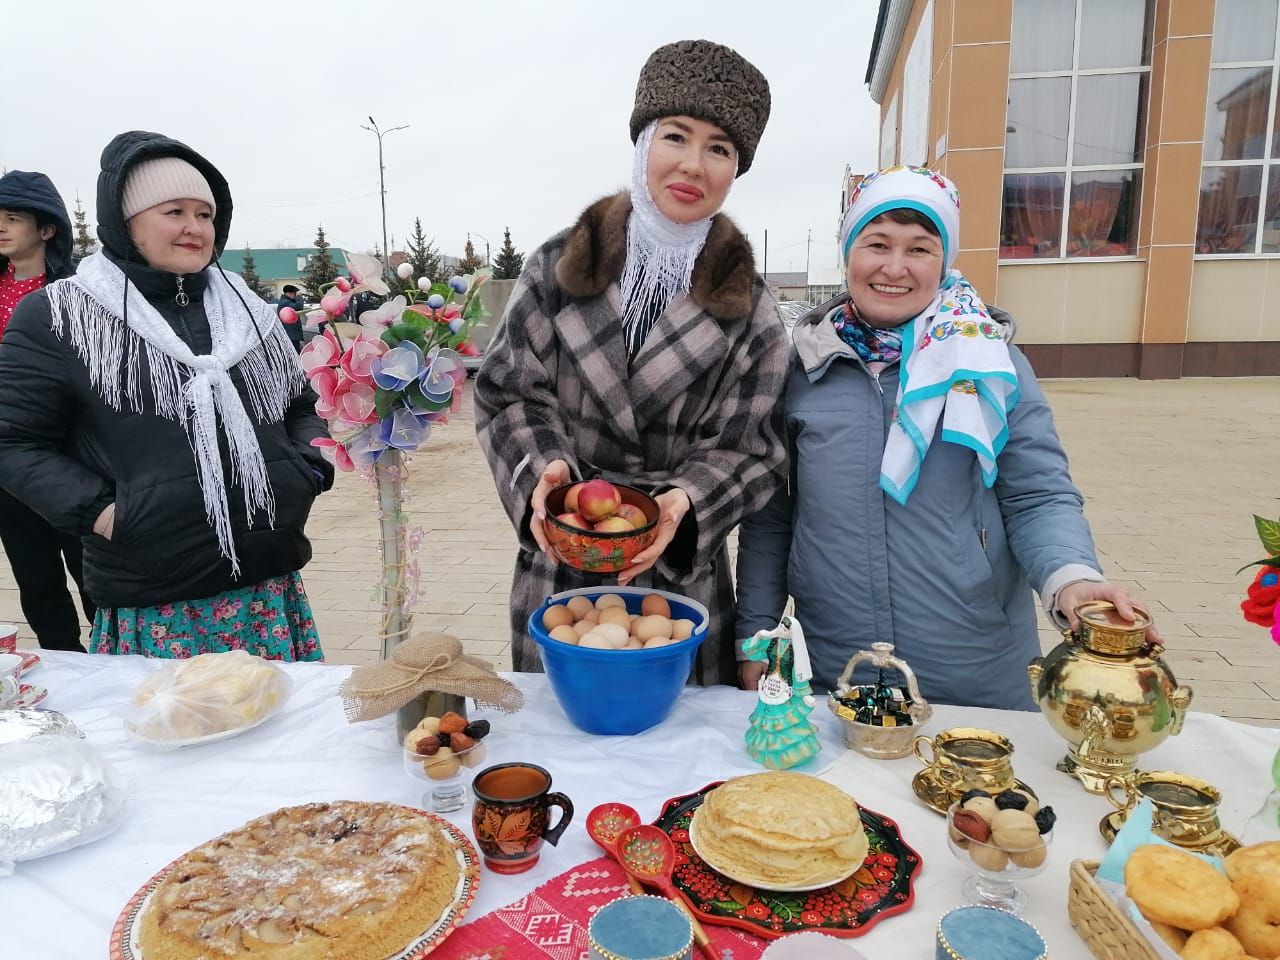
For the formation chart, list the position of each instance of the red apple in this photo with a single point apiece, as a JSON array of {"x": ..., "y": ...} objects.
[
  {"x": 574, "y": 520},
  {"x": 571, "y": 498},
  {"x": 613, "y": 525},
  {"x": 633, "y": 515},
  {"x": 598, "y": 499}
]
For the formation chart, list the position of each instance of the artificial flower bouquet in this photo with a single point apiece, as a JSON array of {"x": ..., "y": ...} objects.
[
  {"x": 384, "y": 389},
  {"x": 1261, "y": 604}
]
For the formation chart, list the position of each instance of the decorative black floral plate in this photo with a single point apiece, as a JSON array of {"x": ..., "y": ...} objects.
[{"x": 880, "y": 888}]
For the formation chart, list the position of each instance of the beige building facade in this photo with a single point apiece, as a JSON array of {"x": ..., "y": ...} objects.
[{"x": 1119, "y": 170}]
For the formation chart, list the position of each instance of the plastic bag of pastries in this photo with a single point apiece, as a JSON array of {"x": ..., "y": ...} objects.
[{"x": 210, "y": 694}]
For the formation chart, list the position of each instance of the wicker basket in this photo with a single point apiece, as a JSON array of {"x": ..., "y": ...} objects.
[{"x": 1109, "y": 934}]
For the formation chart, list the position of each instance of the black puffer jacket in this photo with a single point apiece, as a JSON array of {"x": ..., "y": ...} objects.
[
  {"x": 35, "y": 193},
  {"x": 67, "y": 454}
]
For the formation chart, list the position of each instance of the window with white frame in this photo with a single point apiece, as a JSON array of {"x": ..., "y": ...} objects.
[
  {"x": 1075, "y": 128},
  {"x": 1240, "y": 181}
]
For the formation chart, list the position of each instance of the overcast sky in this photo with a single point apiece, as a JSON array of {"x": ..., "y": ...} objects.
[{"x": 517, "y": 111}]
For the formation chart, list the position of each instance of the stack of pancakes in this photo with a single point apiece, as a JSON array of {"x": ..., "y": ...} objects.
[{"x": 778, "y": 830}]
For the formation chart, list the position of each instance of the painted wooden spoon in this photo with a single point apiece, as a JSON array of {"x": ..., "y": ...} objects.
[
  {"x": 604, "y": 823},
  {"x": 648, "y": 855}
]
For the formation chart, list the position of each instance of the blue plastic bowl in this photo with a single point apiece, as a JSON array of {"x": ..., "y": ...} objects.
[{"x": 619, "y": 692}]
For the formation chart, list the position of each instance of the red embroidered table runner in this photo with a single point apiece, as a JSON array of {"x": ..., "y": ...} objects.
[{"x": 552, "y": 921}]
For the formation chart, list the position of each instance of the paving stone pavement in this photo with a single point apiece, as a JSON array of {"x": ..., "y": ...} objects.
[{"x": 1172, "y": 471}]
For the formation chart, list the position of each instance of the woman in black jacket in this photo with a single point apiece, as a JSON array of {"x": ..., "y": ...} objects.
[{"x": 153, "y": 405}]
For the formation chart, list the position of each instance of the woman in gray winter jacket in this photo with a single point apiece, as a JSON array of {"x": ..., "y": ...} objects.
[{"x": 928, "y": 490}]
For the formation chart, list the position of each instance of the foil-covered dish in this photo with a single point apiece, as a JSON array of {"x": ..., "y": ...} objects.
[
  {"x": 56, "y": 790},
  {"x": 18, "y": 725}
]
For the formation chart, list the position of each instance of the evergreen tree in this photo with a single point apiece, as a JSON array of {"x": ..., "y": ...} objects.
[
  {"x": 320, "y": 267},
  {"x": 423, "y": 256},
  {"x": 82, "y": 244},
  {"x": 469, "y": 263},
  {"x": 249, "y": 274},
  {"x": 508, "y": 263}
]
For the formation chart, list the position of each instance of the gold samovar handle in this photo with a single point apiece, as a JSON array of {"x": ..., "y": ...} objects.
[
  {"x": 1180, "y": 700},
  {"x": 1035, "y": 670}
]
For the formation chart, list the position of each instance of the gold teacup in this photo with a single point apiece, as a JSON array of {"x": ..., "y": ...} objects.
[
  {"x": 1186, "y": 807},
  {"x": 966, "y": 758}
]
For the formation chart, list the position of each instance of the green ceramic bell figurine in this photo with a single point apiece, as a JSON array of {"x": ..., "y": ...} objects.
[{"x": 781, "y": 735}]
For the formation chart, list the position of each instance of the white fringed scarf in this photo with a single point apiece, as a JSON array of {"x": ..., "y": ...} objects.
[
  {"x": 196, "y": 391},
  {"x": 660, "y": 253}
]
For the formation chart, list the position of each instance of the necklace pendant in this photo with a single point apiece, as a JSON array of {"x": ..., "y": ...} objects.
[{"x": 181, "y": 299}]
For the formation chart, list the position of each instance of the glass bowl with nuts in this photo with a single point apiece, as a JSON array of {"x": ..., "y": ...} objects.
[{"x": 1004, "y": 840}]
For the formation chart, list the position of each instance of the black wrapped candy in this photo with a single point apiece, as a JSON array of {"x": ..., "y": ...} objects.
[
  {"x": 477, "y": 729},
  {"x": 970, "y": 794},
  {"x": 1045, "y": 819}
]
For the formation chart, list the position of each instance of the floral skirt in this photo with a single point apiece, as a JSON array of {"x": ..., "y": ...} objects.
[{"x": 271, "y": 620}]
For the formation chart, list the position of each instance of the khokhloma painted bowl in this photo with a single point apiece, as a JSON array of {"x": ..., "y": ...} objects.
[{"x": 594, "y": 552}]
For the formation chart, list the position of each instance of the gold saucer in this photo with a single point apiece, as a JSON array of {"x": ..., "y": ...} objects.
[
  {"x": 938, "y": 798},
  {"x": 1226, "y": 842}
]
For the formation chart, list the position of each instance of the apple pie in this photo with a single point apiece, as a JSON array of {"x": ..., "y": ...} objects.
[
  {"x": 780, "y": 830},
  {"x": 344, "y": 880}
]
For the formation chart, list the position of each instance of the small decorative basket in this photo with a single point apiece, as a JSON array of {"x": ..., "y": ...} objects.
[
  {"x": 1104, "y": 928},
  {"x": 878, "y": 720}
]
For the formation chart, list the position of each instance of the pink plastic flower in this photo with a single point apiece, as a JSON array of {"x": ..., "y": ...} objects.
[
  {"x": 367, "y": 273},
  {"x": 313, "y": 319},
  {"x": 324, "y": 381},
  {"x": 288, "y": 315},
  {"x": 1275, "y": 631},
  {"x": 335, "y": 453},
  {"x": 355, "y": 401},
  {"x": 321, "y": 351},
  {"x": 383, "y": 317},
  {"x": 357, "y": 362},
  {"x": 342, "y": 283},
  {"x": 334, "y": 302}
]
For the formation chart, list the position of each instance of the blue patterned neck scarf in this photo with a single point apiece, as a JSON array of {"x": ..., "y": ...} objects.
[{"x": 873, "y": 345}]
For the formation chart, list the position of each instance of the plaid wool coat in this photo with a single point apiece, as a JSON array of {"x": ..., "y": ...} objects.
[{"x": 701, "y": 408}]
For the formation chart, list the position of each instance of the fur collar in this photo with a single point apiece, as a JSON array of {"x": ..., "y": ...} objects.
[{"x": 595, "y": 252}]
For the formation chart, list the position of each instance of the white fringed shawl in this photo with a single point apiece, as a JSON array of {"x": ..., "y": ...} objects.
[{"x": 196, "y": 391}]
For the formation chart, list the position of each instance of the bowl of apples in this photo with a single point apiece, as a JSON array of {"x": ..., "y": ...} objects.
[{"x": 599, "y": 527}]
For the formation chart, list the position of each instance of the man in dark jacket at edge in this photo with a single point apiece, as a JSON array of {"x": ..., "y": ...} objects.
[
  {"x": 35, "y": 248},
  {"x": 290, "y": 296}
]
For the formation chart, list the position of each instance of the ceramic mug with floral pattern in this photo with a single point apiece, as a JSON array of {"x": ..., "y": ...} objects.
[{"x": 512, "y": 815}]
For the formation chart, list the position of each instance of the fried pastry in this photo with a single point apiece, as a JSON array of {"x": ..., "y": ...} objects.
[
  {"x": 1257, "y": 923},
  {"x": 781, "y": 829},
  {"x": 1259, "y": 858},
  {"x": 1177, "y": 888},
  {"x": 1214, "y": 943}
]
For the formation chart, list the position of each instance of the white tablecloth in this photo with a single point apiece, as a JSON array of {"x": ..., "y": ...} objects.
[{"x": 64, "y": 906}]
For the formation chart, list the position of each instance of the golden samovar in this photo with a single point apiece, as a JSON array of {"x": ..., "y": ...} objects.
[{"x": 1107, "y": 692}]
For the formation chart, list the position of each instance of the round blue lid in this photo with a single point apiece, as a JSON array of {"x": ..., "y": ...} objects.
[
  {"x": 641, "y": 928},
  {"x": 986, "y": 933}
]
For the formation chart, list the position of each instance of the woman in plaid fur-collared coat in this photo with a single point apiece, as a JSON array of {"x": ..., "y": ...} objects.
[
  {"x": 699, "y": 409},
  {"x": 641, "y": 346}
]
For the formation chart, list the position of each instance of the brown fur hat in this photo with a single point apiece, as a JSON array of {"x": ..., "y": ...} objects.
[{"x": 698, "y": 78}]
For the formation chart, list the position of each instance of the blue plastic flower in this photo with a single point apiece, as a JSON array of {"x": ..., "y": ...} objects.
[
  {"x": 435, "y": 301},
  {"x": 366, "y": 447},
  {"x": 398, "y": 367},
  {"x": 1270, "y": 579},
  {"x": 458, "y": 285},
  {"x": 442, "y": 374},
  {"x": 403, "y": 430}
]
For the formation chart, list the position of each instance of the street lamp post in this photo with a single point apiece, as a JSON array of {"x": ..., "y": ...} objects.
[
  {"x": 487, "y": 261},
  {"x": 382, "y": 188}
]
